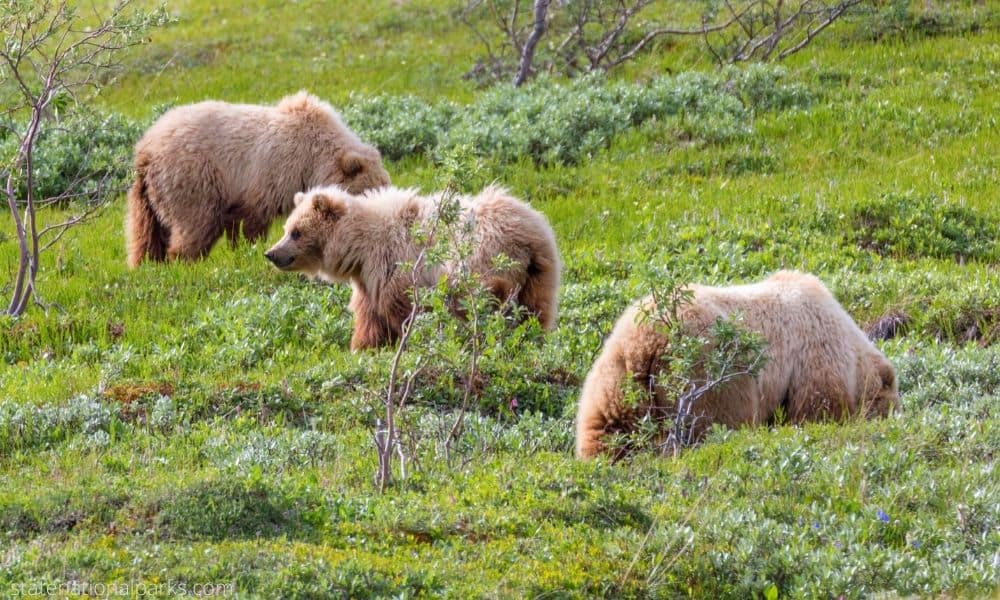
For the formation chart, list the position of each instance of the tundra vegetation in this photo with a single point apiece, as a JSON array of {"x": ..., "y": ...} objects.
[{"x": 205, "y": 423}]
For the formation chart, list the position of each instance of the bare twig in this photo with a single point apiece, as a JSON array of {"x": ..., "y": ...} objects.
[
  {"x": 603, "y": 34},
  {"x": 650, "y": 36},
  {"x": 60, "y": 229},
  {"x": 834, "y": 14},
  {"x": 386, "y": 436}
]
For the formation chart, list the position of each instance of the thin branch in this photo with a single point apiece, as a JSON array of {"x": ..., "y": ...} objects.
[
  {"x": 61, "y": 228},
  {"x": 834, "y": 15},
  {"x": 528, "y": 52},
  {"x": 597, "y": 54},
  {"x": 649, "y": 37}
]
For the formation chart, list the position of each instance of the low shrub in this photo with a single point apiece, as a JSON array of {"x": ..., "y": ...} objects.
[
  {"x": 399, "y": 125},
  {"x": 562, "y": 123},
  {"x": 911, "y": 226},
  {"x": 25, "y": 426},
  {"x": 220, "y": 509},
  {"x": 85, "y": 154}
]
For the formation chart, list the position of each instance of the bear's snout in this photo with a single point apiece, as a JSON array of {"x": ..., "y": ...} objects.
[{"x": 279, "y": 261}]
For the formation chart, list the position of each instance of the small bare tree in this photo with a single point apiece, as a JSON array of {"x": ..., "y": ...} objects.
[
  {"x": 773, "y": 29},
  {"x": 51, "y": 54},
  {"x": 600, "y": 35},
  {"x": 444, "y": 240},
  {"x": 446, "y": 331}
]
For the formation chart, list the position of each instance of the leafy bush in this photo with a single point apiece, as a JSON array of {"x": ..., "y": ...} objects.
[
  {"x": 399, "y": 125},
  {"x": 25, "y": 426},
  {"x": 907, "y": 19},
  {"x": 87, "y": 154},
  {"x": 762, "y": 88},
  {"x": 269, "y": 324},
  {"x": 963, "y": 379},
  {"x": 217, "y": 509},
  {"x": 563, "y": 123},
  {"x": 908, "y": 226},
  {"x": 276, "y": 450},
  {"x": 351, "y": 578}
]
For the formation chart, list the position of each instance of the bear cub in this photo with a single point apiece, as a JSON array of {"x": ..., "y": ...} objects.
[{"x": 363, "y": 239}]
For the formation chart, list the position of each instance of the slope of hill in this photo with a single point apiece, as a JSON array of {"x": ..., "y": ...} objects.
[{"x": 205, "y": 425}]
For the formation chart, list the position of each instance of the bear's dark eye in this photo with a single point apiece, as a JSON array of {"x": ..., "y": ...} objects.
[{"x": 295, "y": 235}]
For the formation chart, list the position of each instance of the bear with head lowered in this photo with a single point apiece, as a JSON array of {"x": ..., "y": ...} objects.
[
  {"x": 214, "y": 168},
  {"x": 364, "y": 239},
  {"x": 818, "y": 363}
]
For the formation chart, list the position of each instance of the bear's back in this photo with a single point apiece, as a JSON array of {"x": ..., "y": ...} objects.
[
  {"x": 206, "y": 124},
  {"x": 793, "y": 311}
]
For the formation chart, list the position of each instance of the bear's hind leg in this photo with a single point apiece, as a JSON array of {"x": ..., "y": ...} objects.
[
  {"x": 255, "y": 228},
  {"x": 189, "y": 244},
  {"x": 232, "y": 230},
  {"x": 238, "y": 223}
]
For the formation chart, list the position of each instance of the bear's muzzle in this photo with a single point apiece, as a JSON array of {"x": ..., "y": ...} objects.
[{"x": 279, "y": 261}]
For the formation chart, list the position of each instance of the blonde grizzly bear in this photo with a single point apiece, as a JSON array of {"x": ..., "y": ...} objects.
[
  {"x": 214, "y": 167},
  {"x": 363, "y": 239},
  {"x": 819, "y": 364}
]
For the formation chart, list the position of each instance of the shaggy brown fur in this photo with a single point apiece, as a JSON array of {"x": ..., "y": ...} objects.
[
  {"x": 819, "y": 363},
  {"x": 211, "y": 168},
  {"x": 362, "y": 239}
]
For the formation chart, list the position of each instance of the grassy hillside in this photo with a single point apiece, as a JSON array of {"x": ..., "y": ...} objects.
[{"x": 205, "y": 424}]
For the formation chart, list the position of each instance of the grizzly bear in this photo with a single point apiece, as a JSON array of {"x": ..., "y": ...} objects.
[
  {"x": 365, "y": 238},
  {"x": 818, "y": 363},
  {"x": 211, "y": 168}
]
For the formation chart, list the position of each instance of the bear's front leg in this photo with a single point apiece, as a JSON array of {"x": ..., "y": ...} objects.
[
  {"x": 377, "y": 324},
  {"x": 370, "y": 328}
]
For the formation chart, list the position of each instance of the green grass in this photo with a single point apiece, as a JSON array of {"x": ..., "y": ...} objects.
[{"x": 205, "y": 423}]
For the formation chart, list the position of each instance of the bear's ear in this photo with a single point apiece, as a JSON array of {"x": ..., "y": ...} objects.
[
  {"x": 329, "y": 207},
  {"x": 409, "y": 213},
  {"x": 351, "y": 163},
  {"x": 299, "y": 197}
]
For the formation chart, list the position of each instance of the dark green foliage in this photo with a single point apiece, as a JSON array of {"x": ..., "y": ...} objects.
[
  {"x": 909, "y": 19},
  {"x": 83, "y": 154},
  {"x": 219, "y": 509},
  {"x": 563, "y": 123},
  {"x": 348, "y": 579},
  {"x": 516, "y": 372},
  {"x": 399, "y": 126},
  {"x": 915, "y": 226},
  {"x": 17, "y": 521},
  {"x": 764, "y": 88}
]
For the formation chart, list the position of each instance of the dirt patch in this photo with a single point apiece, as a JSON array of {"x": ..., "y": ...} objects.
[
  {"x": 980, "y": 326},
  {"x": 129, "y": 398},
  {"x": 128, "y": 393},
  {"x": 890, "y": 325}
]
